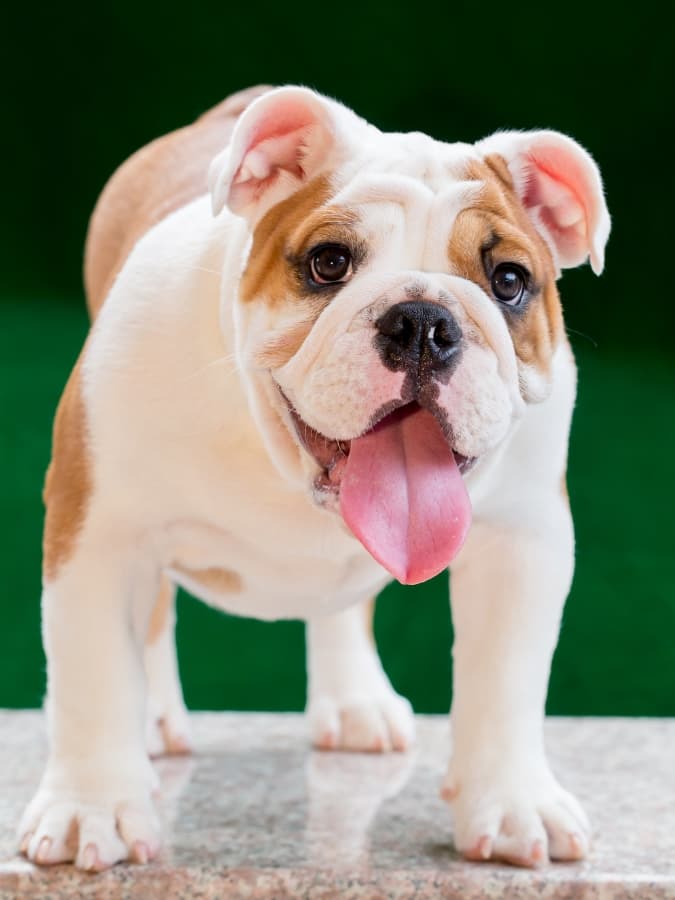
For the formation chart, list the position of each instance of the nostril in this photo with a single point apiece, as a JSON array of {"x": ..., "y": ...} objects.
[
  {"x": 398, "y": 327},
  {"x": 446, "y": 333}
]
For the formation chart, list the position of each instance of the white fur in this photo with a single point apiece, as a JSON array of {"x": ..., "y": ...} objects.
[
  {"x": 351, "y": 703},
  {"x": 195, "y": 465}
]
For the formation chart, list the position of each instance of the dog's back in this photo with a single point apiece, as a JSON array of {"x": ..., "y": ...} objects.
[{"x": 158, "y": 179}]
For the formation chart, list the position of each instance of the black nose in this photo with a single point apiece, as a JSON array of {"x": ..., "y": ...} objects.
[{"x": 420, "y": 334}]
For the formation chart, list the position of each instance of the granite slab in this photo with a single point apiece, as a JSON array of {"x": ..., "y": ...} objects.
[{"x": 255, "y": 813}]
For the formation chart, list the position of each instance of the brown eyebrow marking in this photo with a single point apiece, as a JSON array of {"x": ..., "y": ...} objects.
[
  {"x": 286, "y": 232},
  {"x": 498, "y": 218},
  {"x": 332, "y": 224},
  {"x": 273, "y": 273},
  {"x": 267, "y": 272}
]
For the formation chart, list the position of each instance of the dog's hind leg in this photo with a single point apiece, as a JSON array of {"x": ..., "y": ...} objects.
[
  {"x": 351, "y": 703},
  {"x": 94, "y": 803},
  {"x": 167, "y": 725}
]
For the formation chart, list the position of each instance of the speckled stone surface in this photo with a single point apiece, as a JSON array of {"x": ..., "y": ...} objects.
[{"x": 255, "y": 814}]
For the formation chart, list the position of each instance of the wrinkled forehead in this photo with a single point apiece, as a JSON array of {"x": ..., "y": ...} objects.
[
  {"x": 411, "y": 170},
  {"x": 398, "y": 203},
  {"x": 416, "y": 156},
  {"x": 401, "y": 194},
  {"x": 407, "y": 191}
]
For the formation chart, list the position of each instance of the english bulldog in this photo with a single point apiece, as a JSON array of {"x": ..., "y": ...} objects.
[{"x": 322, "y": 357}]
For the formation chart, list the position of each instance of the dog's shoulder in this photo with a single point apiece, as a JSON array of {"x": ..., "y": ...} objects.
[{"x": 158, "y": 179}]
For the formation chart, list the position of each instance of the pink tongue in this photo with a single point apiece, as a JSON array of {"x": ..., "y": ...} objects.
[{"x": 403, "y": 497}]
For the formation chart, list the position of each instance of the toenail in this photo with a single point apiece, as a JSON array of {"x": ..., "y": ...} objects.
[
  {"x": 485, "y": 847},
  {"x": 43, "y": 849},
  {"x": 576, "y": 844},
  {"x": 90, "y": 857},
  {"x": 538, "y": 851},
  {"x": 140, "y": 852},
  {"x": 25, "y": 841},
  {"x": 449, "y": 792}
]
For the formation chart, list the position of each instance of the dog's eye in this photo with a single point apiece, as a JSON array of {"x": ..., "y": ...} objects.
[
  {"x": 509, "y": 283},
  {"x": 330, "y": 264}
]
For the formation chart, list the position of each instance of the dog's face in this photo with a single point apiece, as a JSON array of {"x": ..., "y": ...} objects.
[{"x": 398, "y": 307}]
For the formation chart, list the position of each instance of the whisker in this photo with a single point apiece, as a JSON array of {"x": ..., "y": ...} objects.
[
  {"x": 581, "y": 334},
  {"x": 191, "y": 268},
  {"x": 222, "y": 360}
]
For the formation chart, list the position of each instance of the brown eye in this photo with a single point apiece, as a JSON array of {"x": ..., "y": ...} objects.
[
  {"x": 509, "y": 283},
  {"x": 330, "y": 264}
]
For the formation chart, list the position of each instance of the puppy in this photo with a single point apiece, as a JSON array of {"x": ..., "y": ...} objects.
[{"x": 337, "y": 359}]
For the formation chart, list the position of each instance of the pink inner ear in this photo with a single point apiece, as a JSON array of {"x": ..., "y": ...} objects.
[
  {"x": 276, "y": 141},
  {"x": 280, "y": 120},
  {"x": 282, "y": 141},
  {"x": 560, "y": 188},
  {"x": 564, "y": 184}
]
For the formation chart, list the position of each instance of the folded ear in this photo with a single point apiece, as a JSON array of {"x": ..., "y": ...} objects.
[
  {"x": 559, "y": 184},
  {"x": 281, "y": 141}
]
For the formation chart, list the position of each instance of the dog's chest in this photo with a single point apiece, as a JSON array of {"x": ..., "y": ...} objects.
[{"x": 290, "y": 565}]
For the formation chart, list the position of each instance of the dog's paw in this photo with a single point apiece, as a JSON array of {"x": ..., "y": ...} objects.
[
  {"x": 524, "y": 819},
  {"x": 94, "y": 829},
  {"x": 167, "y": 731},
  {"x": 374, "y": 723}
]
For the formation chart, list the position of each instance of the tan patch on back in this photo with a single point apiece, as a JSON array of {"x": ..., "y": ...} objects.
[
  {"x": 68, "y": 481},
  {"x": 158, "y": 179},
  {"x": 498, "y": 212},
  {"x": 220, "y": 581}
]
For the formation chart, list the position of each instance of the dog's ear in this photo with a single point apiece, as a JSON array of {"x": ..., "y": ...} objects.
[
  {"x": 282, "y": 140},
  {"x": 559, "y": 185}
]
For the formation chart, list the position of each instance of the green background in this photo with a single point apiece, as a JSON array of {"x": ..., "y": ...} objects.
[{"x": 85, "y": 86}]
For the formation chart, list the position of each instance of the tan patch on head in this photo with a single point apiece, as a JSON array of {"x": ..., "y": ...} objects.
[
  {"x": 498, "y": 216},
  {"x": 274, "y": 275},
  {"x": 219, "y": 581},
  {"x": 284, "y": 233},
  {"x": 498, "y": 165},
  {"x": 267, "y": 271},
  {"x": 68, "y": 482}
]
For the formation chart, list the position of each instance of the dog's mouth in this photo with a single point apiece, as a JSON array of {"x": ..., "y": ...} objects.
[
  {"x": 398, "y": 487},
  {"x": 331, "y": 454}
]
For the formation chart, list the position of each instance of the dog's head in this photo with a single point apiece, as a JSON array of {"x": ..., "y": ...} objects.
[{"x": 398, "y": 306}]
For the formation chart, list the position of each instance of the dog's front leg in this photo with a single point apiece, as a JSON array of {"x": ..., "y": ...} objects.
[
  {"x": 94, "y": 803},
  {"x": 508, "y": 590},
  {"x": 351, "y": 703}
]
